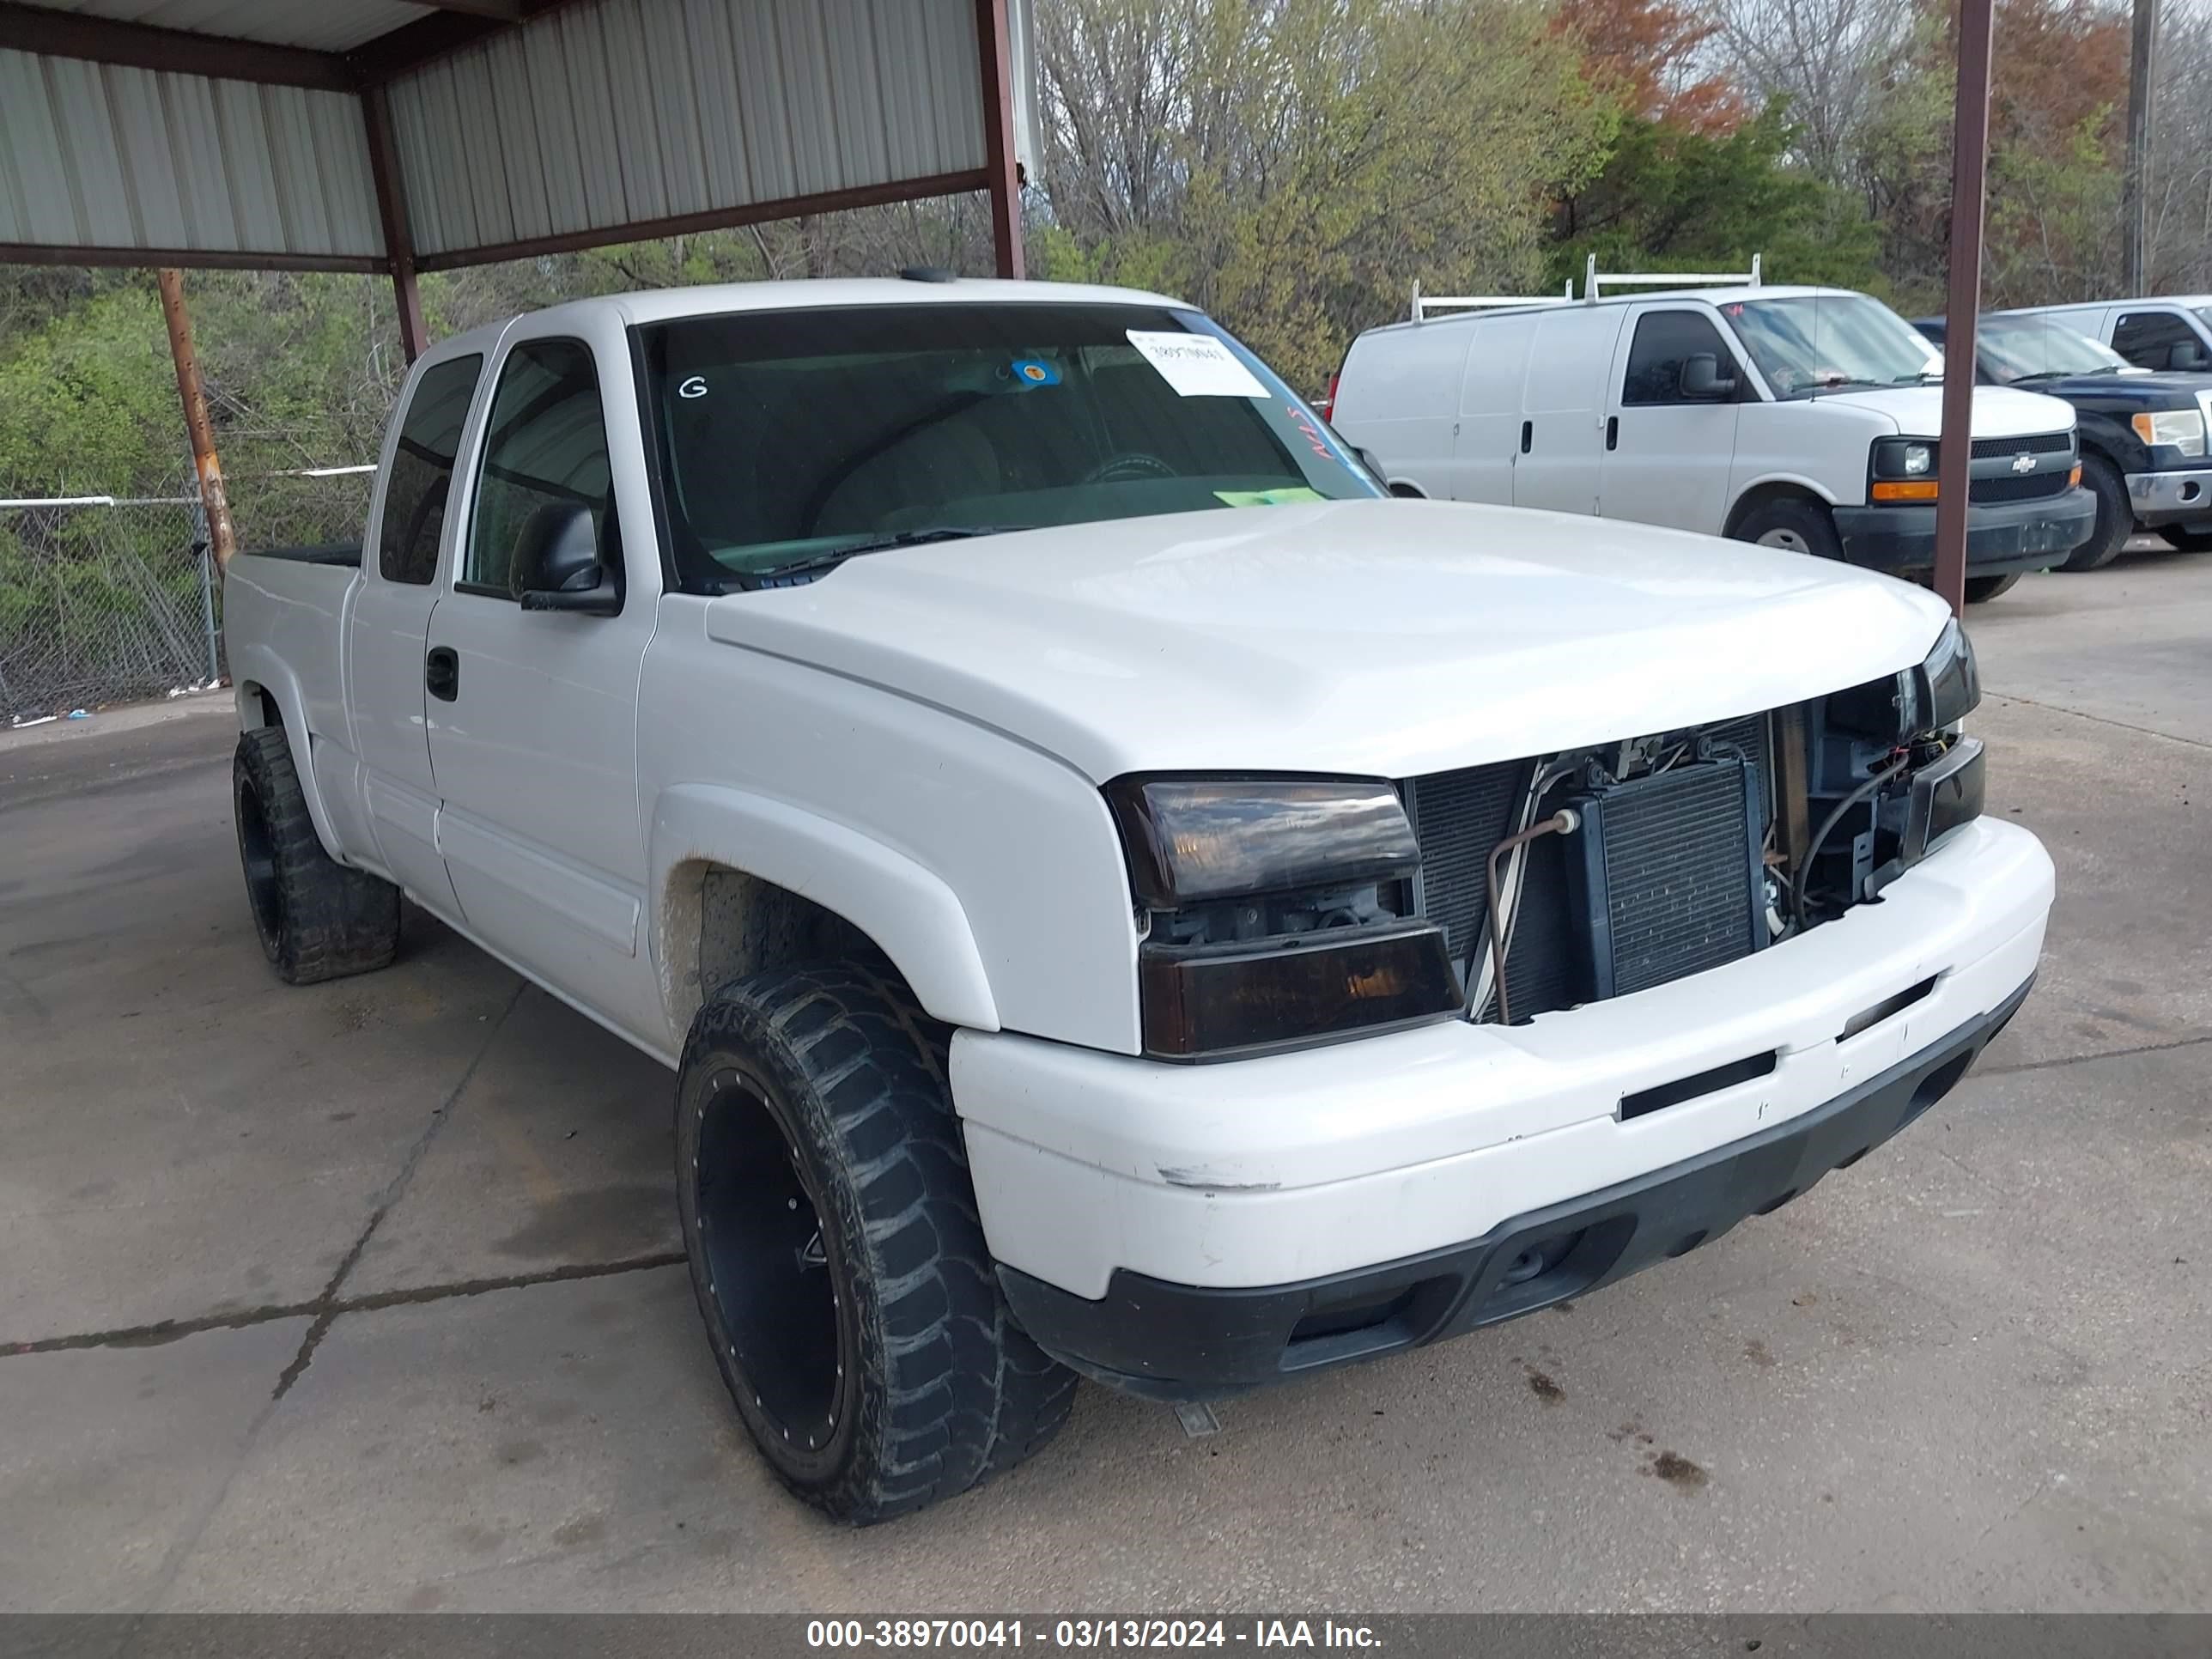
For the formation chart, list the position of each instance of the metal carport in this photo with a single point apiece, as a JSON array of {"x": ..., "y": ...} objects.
[{"x": 402, "y": 136}]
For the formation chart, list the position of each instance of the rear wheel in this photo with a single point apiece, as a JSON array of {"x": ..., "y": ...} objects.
[
  {"x": 2187, "y": 538},
  {"x": 317, "y": 920},
  {"x": 2115, "y": 519},
  {"x": 1794, "y": 525},
  {"x": 852, "y": 1305},
  {"x": 1980, "y": 590}
]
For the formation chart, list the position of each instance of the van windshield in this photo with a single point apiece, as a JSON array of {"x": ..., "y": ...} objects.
[
  {"x": 2016, "y": 348},
  {"x": 1809, "y": 343},
  {"x": 788, "y": 439}
]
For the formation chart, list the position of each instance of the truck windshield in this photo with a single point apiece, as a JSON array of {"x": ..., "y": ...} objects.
[
  {"x": 789, "y": 439},
  {"x": 1812, "y": 343},
  {"x": 2014, "y": 349}
]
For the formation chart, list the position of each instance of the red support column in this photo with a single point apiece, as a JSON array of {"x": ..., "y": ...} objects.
[
  {"x": 995, "y": 44},
  {"x": 1969, "y": 160},
  {"x": 391, "y": 208}
]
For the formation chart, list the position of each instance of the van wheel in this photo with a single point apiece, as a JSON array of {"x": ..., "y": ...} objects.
[
  {"x": 1794, "y": 525},
  {"x": 2115, "y": 519},
  {"x": 1980, "y": 590},
  {"x": 317, "y": 920},
  {"x": 2187, "y": 540},
  {"x": 852, "y": 1305}
]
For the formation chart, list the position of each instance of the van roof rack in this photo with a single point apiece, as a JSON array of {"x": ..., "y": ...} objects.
[
  {"x": 1595, "y": 280},
  {"x": 1425, "y": 303}
]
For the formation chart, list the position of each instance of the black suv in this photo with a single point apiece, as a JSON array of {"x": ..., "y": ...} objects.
[{"x": 2146, "y": 450}]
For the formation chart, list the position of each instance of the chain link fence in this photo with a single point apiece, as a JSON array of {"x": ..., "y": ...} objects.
[{"x": 107, "y": 600}]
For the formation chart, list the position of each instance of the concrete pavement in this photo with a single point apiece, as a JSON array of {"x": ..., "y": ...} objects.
[{"x": 360, "y": 1296}]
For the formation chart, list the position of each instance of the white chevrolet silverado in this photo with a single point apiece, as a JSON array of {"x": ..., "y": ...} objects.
[{"x": 1120, "y": 895}]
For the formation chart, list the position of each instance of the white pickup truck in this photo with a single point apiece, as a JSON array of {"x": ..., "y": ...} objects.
[{"x": 1120, "y": 895}]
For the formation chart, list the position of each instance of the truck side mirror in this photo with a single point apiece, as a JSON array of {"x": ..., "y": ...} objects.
[
  {"x": 1702, "y": 377},
  {"x": 2187, "y": 354},
  {"x": 556, "y": 564}
]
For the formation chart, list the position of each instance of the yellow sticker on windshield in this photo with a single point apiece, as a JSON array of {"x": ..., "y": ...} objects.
[{"x": 1283, "y": 497}]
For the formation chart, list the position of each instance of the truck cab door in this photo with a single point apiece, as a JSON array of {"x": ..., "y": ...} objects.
[
  {"x": 533, "y": 714},
  {"x": 389, "y": 624},
  {"x": 1671, "y": 422},
  {"x": 1561, "y": 443}
]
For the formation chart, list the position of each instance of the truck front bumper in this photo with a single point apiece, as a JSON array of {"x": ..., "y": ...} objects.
[
  {"x": 2171, "y": 498},
  {"x": 2001, "y": 537},
  {"x": 1185, "y": 1230}
]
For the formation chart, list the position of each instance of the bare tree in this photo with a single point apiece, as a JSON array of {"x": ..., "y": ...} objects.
[{"x": 1828, "y": 58}]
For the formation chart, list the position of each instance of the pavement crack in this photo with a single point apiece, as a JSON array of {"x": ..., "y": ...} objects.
[
  {"x": 172, "y": 1330},
  {"x": 394, "y": 1190},
  {"x": 2101, "y": 720},
  {"x": 2083, "y": 1060}
]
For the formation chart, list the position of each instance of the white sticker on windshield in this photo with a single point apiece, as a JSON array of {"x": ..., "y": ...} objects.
[{"x": 1196, "y": 365}]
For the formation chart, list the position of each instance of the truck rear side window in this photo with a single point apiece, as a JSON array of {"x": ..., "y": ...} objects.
[
  {"x": 786, "y": 435},
  {"x": 423, "y": 471}
]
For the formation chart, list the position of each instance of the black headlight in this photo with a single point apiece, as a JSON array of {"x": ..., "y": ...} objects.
[
  {"x": 1898, "y": 709},
  {"x": 1275, "y": 911},
  {"x": 1948, "y": 683}
]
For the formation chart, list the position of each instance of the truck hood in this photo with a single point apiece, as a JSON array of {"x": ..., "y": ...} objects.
[
  {"x": 2167, "y": 388},
  {"x": 1999, "y": 411},
  {"x": 1379, "y": 638}
]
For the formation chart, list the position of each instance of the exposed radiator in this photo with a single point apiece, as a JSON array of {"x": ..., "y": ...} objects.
[
  {"x": 1665, "y": 871},
  {"x": 1674, "y": 918}
]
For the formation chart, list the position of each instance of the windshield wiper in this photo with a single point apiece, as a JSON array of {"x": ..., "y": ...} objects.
[
  {"x": 1920, "y": 377},
  {"x": 776, "y": 575}
]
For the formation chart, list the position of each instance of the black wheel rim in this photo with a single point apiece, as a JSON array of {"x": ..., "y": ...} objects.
[
  {"x": 258, "y": 854},
  {"x": 772, "y": 1272}
]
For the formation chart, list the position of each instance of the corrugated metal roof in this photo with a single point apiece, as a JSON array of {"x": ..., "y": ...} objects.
[
  {"x": 611, "y": 112},
  {"x": 318, "y": 25},
  {"x": 100, "y": 156}
]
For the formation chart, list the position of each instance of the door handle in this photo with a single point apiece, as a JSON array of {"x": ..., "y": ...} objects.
[
  {"x": 441, "y": 673},
  {"x": 1527, "y": 435},
  {"x": 1612, "y": 432}
]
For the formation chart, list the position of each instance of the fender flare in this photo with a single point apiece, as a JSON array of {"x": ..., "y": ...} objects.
[
  {"x": 1773, "y": 482},
  {"x": 906, "y": 909},
  {"x": 253, "y": 664}
]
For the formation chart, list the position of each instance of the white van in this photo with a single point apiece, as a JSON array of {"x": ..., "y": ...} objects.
[
  {"x": 1802, "y": 418},
  {"x": 2174, "y": 333}
]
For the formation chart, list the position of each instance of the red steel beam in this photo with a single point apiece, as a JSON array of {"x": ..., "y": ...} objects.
[
  {"x": 1970, "y": 147},
  {"x": 189, "y": 259},
  {"x": 752, "y": 213},
  {"x": 141, "y": 46},
  {"x": 1004, "y": 179},
  {"x": 392, "y": 209}
]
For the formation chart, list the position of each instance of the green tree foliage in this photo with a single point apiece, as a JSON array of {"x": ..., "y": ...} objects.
[{"x": 1673, "y": 198}]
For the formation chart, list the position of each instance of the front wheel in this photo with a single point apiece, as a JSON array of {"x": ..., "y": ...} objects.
[
  {"x": 851, "y": 1303},
  {"x": 1793, "y": 524},
  {"x": 1980, "y": 590},
  {"x": 2116, "y": 517}
]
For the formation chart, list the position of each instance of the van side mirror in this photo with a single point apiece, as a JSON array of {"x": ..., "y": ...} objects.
[
  {"x": 556, "y": 564},
  {"x": 1702, "y": 377}
]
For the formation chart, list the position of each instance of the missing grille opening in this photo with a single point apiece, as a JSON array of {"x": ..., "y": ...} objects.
[
  {"x": 1645, "y": 1101},
  {"x": 1881, "y": 1011}
]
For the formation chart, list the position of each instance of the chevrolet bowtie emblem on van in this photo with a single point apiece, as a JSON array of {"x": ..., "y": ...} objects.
[{"x": 2023, "y": 463}]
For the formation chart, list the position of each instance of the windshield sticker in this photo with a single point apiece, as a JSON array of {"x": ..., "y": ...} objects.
[
  {"x": 1283, "y": 497},
  {"x": 1034, "y": 370},
  {"x": 1196, "y": 365},
  {"x": 694, "y": 387}
]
